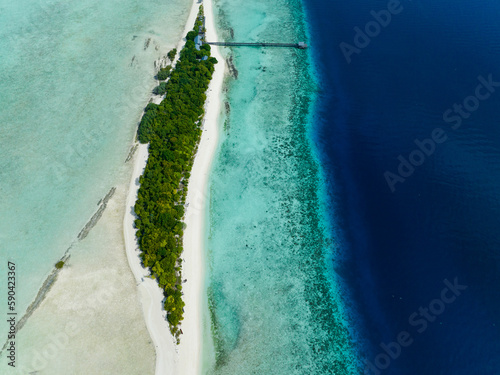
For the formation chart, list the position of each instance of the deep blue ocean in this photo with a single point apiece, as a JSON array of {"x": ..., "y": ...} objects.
[{"x": 428, "y": 72}]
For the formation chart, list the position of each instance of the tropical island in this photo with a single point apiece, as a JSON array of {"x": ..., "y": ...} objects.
[{"x": 173, "y": 130}]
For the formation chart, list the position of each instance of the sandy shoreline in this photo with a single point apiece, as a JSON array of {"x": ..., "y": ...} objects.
[{"x": 184, "y": 358}]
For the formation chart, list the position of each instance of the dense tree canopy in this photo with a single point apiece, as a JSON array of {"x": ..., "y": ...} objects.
[
  {"x": 164, "y": 73},
  {"x": 161, "y": 89},
  {"x": 171, "y": 54},
  {"x": 173, "y": 131}
]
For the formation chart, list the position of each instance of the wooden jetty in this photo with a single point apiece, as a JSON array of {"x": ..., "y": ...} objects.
[{"x": 300, "y": 45}]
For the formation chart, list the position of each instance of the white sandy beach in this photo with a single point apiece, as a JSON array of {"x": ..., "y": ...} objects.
[
  {"x": 91, "y": 321},
  {"x": 183, "y": 359},
  {"x": 96, "y": 303}
]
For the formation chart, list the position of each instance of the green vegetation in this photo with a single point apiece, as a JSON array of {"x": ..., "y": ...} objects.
[
  {"x": 171, "y": 54},
  {"x": 59, "y": 264},
  {"x": 172, "y": 130},
  {"x": 199, "y": 19},
  {"x": 161, "y": 89},
  {"x": 191, "y": 35},
  {"x": 164, "y": 73}
]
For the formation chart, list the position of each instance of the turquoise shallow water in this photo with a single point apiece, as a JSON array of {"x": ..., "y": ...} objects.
[
  {"x": 274, "y": 307},
  {"x": 74, "y": 79}
]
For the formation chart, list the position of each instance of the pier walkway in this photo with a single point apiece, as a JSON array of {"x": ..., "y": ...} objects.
[{"x": 300, "y": 45}]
